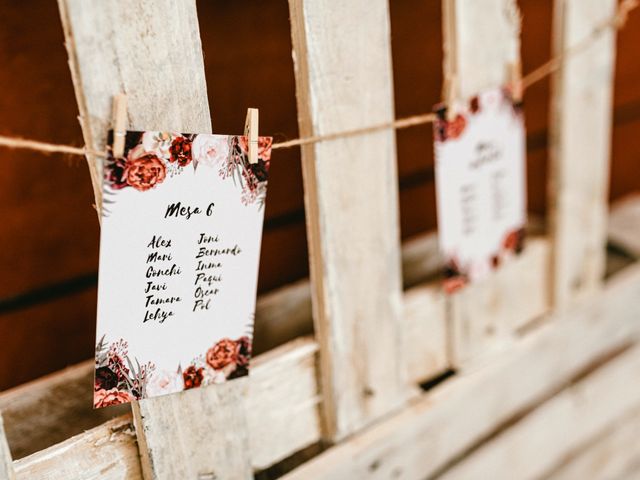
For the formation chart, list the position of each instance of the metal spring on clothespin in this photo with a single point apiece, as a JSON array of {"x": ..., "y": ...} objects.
[
  {"x": 119, "y": 124},
  {"x": 251, "y": 132}
]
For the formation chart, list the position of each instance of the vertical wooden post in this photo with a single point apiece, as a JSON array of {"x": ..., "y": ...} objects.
[
  {"x": 581, "y": 117},
  {"x": 150, "y": 50},
  {"x": 6, "y": 464},
  {"x": 482, "y": 48},
  {"x": 344, "y": 81}
]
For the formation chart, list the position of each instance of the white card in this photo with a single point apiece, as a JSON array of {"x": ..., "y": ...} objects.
[
  {"x": 480, "y": 185},
  {"x": 180, "y": 246}
]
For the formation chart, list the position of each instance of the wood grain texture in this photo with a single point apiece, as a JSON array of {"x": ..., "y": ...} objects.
[
  {"x": 622, "y": 228},
  {"x": 6, "y": 464},
  {"x": 52, "y": 409},
  {"x": 613, "y": 455},
  {"x": 151, "y": 51},
  {"x": 424, "y": 438},
  {"x": 481, "y": 40},
  {"x": 580, "y": 142},
  {"x": 536, "y": 444},
  {"x": 343, "y": 80},
  {"x": 485, "y": 316},
  {"x": 107, "y": 452}
]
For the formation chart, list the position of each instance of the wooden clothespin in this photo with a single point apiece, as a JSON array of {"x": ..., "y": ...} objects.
[
  {"x": 251, "y": 132},
  {"x": 450, "y": 95},
  {"x": 515, "y": 78},
  {"x": 119, "y": 124}
]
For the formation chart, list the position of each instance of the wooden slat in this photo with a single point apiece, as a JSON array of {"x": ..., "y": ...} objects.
[
  {"x": 107, "y": 452},
  {"x": 52, "y": 409},
  {"x": 424, "y": 438},
  {"x": 343, "y": 79},
  {"x": 482, "y": 43},
  {"x": 151, "y": 51},
  {"x": 6, "y": 464},
  {"x": 614, "y": 454},
  {"x": 283, "y": 411},
  {"x": 536, "y": 444},
  {"x": 487, "y": 315},
  {"x": 624, "y": 221},
  {"x": 579, "y": 148}
]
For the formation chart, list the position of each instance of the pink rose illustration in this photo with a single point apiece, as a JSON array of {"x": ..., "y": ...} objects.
[
  {"x": 105, "y": 398},
  {"x": 180, "y": 151},
  {"x": 211, "y": 150},
  {"x": 164, "y": 382}
]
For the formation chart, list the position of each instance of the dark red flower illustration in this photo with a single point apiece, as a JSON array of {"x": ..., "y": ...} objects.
[
  {"x": 192, "y": 377},
  {"x": 144, "y": 172},
  {"x": 243, "y": 351},
  {"x": 474, "y": 104},
  {"x": 514, "y": 240},
  {"x": 115, "y": 173},
  {"x": 455, "y": 127},
  {"x": 180, "y": 151},
  {"x": 105, "y": 379}
]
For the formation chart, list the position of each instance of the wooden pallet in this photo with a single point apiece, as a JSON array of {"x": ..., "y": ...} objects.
[{"x": 535, "y": 368}]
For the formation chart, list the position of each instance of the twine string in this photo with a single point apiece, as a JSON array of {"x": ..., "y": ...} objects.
[{"x": 616, "y": 22}]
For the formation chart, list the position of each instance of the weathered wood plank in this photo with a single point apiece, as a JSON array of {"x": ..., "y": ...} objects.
[
  {"x": 482, "y": 46},
  {"x": 6, "y": 464},
  {"x": 487, "y": 315},
  {"x": 533, "y": 446},
  {"x": 151, "y": 51},
  {"x": 107, "y": 452},
  {"x": 580, "y": 141},
  {"x": 52, "y": 409},
  {"x": 421, "y": 440},
  {"x": 282, "y": 407},
  {"x": 624, "y": 225},
  {"x": 343, "y": 80},
  {"x": 615, "y": 454},
  {"x": 481, "y": 42}
]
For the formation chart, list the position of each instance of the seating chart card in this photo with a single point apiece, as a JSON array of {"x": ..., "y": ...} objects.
[
  {"x": 180, "y": 245},
  {"x": 480, "y": 185}
]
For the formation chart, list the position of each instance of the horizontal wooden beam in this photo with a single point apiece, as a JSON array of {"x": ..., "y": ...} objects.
[
  {"x": 535, "y": 445},
  {"x": 614, "y": 454}
]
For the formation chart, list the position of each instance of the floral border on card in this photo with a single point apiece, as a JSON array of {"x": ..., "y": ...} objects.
[{"x": 451, "y": 127}]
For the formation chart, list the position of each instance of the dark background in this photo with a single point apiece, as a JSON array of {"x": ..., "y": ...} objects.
[{"x": 49, "y": 230}]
